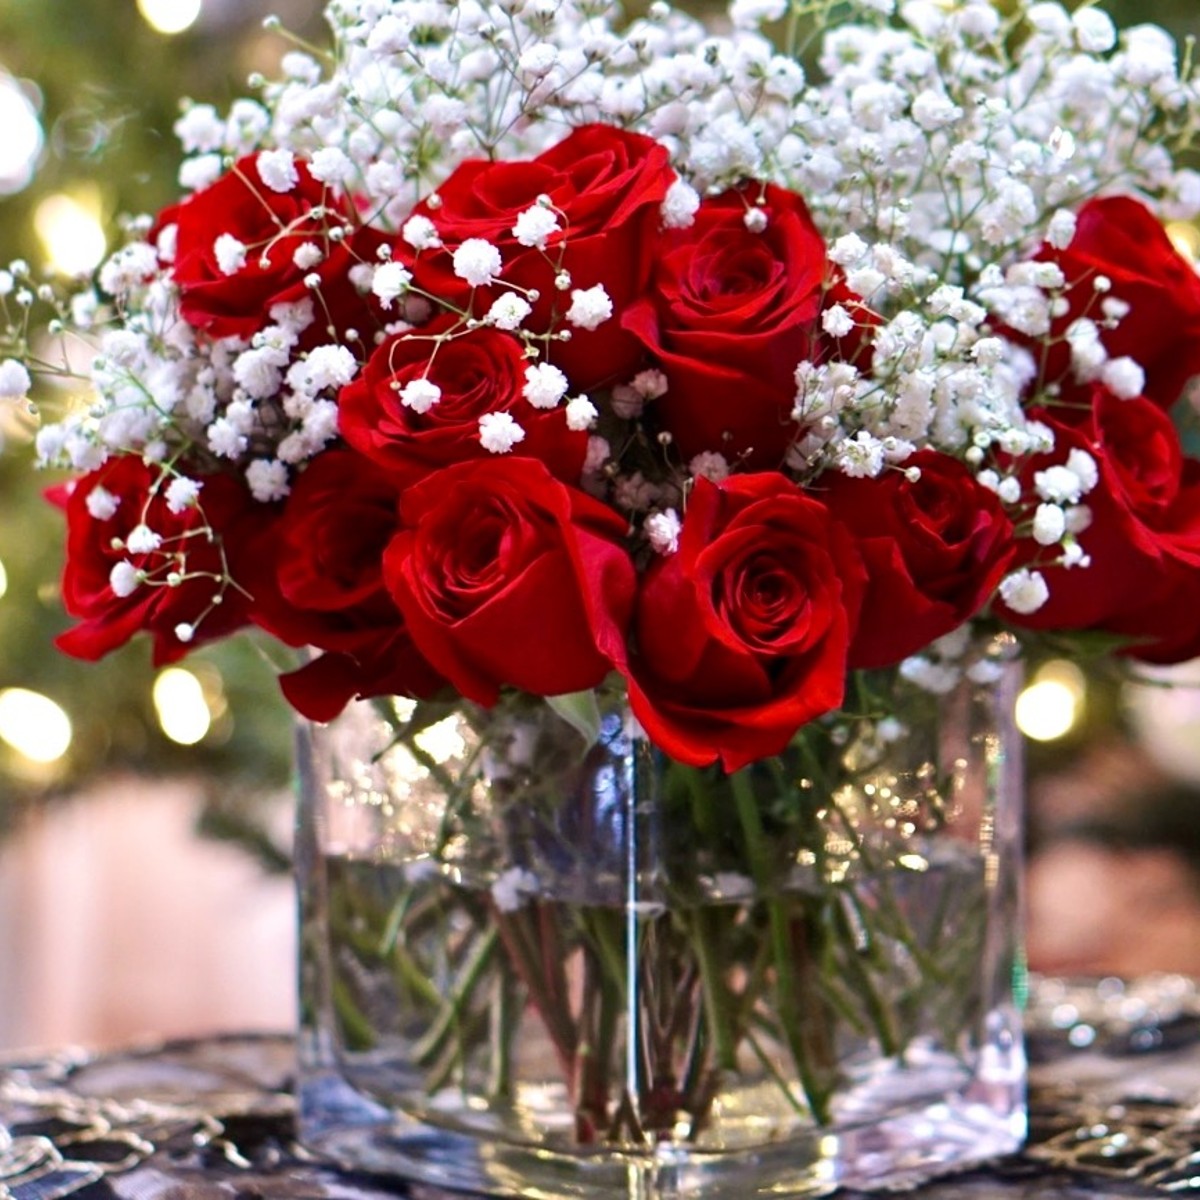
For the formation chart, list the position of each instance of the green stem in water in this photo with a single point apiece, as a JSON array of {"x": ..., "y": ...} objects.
[
  {"x": 451, "y": 1015},
  {"x": 788, "y": 994},
  {"x": 716, "y": 995}
]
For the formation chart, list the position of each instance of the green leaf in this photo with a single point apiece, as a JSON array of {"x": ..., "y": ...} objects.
[{"x": 581, "y": 711}]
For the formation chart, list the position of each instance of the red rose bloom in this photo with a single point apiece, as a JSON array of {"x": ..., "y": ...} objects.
[
  {"x": 96, "y": 545},
  {"x": 606, "y": 186},
  {"x": 478, "y": 372},
  {"x": 1120, "y": 239},
  {"x": 507, "y": 577},
  {"x": 272, "y": 226},
  {"x": 934, "y": 551},
  {"x": 1143, "y": 537},
  {"x": 743, "y": 633},
  {"x": 729, "y": 315},
  {"x": 317, "y": 580}
]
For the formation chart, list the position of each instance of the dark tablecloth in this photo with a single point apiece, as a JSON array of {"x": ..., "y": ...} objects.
[{"x": 211, "y": 1119}]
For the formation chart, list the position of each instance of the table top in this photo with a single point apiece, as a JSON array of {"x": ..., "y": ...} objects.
[{"x": 211, "y": 1119}]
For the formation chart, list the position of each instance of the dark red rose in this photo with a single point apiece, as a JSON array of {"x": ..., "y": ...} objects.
[
  {"x": 317, "y": 580},
  {"x": 1119, "y": 239},
  {"x": 743, "y": 633},
  {"x": 160, "y": 604},
  {"x": 729, "y": 315},
  {"x": 1143, "y": 538},
  {"x": 478, "y": 372},
  {"x": 272, "y": 226},
  {"x": 507, "y": 577},
  {"x": 607, "y": 186},
  {"x": 934, "y": 551}
]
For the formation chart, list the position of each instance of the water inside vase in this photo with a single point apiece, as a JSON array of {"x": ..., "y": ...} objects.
[{"x": 475, "y": 1006}]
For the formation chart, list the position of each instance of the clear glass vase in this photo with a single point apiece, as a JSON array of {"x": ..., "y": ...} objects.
[{"x": 538, "y": 958}]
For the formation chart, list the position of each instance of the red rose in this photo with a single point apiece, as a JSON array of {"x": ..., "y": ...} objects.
[
  {"x": 743, "y": 632},
  {"x": 507, "y": 577},
  {"x": 1119, "y": 239},
  {"x": 729, "y": 315},
  {"x": 606, "y": 186},
  {"x": 124, "y": 492},
  {"x": 934, "y": 552},
  {"x": 1143, "y": 538},
  {"x": 317, "y": 580},
  {"x": 226, "y": 299},
  {"x": 478, "y": 372}
]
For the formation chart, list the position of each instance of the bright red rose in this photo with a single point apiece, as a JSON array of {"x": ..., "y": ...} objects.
[
  {"x": 1118, "y": 238},
  {"x": 743, "y": 633},
  {"x": 478, "y": 372},
  {"x": 729, "y": 315},
  {"x": 125, "y": 488},
  {"x": 606, "y": 185},
  {"x": 934, "y": 551},
  {"x": 1143, "y": 538},
  {"x": 230, "y": 300},
  {"x": 317, "y": 580},
  {"x": 507, "y": 577}
]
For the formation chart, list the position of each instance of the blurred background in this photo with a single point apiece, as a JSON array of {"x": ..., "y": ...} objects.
[{"x": 144, "y": 816}]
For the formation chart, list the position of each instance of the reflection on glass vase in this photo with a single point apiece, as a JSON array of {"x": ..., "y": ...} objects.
[{"x": 540, "y": 958}]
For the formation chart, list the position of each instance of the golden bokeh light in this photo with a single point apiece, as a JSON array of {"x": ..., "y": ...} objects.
[{"x": 33, "y": 725}]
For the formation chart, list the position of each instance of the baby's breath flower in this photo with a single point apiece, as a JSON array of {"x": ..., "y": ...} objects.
[
  {"x": 14, "y": 380},
  {"x": 663, "y": 529},
  {"x": 1024, "y": 591},
  {"x": 545, "y": 385},
  {"x": 1049, "y": 524},
  {"x": 101, "y": 503},
  {"x": 277, "y": 169},
  {"x": 680, "y": 206},
  {"x": 420, "y": 233},
  {"x": 420, "y": 395},
  {"x": 143, "y": 540},
  {"x": 508, "y": 311},
  {"x": 477, "y": 262},
  {"x": 124, "y": 579},
  {"x": 182, "y": 493},
  {"x": 590, "y": 307},
  {"x": 229, "y": 253},
  {"x": 499, "y": 433},
  {"x": 268, "y": 480},
  {"x": 535, "y": 226}
]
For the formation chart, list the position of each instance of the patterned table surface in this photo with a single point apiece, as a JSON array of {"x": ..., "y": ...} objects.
[{"x": 1115, "y": 1113}]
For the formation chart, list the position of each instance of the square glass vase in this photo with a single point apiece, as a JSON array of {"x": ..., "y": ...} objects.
[{"x": 538, "y": 958}]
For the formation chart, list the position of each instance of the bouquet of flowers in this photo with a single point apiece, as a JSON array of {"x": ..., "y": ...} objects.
[{"x": 517, "y": 358}]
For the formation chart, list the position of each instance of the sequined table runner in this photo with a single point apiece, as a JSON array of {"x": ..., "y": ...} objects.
[{"x": 1115, "y": 1108}]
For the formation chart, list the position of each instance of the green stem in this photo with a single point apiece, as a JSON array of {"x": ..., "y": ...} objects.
[
  {"x": 788, "y": 994},
  {"x": 724, "y": 1042},
  {"x": 460, "y": 996},
  {"x": 864, "y": 986},
  {"x": 505, "y": 1014}
]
